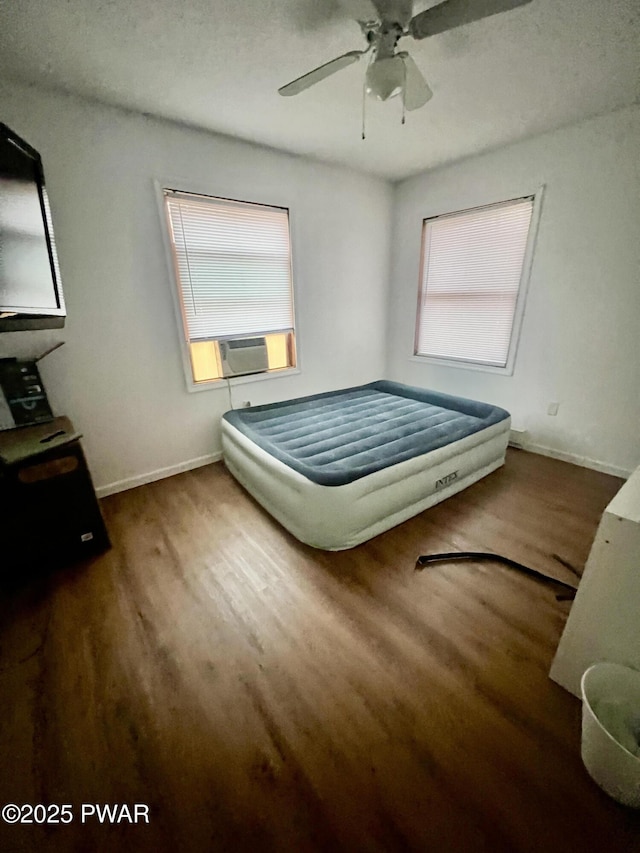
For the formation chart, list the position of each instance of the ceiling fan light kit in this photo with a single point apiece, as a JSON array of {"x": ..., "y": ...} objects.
[
  {"x": 383, "y": 23},
  {"x": 385, "y": 78}
]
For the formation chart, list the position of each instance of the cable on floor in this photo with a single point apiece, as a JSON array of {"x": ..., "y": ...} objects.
[{"x": 477, "y": 556}]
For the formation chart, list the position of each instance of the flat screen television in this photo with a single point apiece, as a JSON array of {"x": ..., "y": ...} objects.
[{"x": 30, "y": 287}]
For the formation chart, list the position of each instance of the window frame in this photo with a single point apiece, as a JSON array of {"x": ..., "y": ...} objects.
[
  {"x": 518, "y": 316},
  {"x": 270, "y": 199}
]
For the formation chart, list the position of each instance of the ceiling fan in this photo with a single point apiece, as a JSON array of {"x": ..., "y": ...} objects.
[{"x": 384, "y": 23}]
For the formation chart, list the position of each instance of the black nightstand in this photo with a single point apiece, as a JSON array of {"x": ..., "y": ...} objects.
[{"x": 49, "y": 513}]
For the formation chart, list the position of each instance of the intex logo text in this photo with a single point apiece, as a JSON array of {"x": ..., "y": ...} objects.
[{"x": 444, "y": 481}]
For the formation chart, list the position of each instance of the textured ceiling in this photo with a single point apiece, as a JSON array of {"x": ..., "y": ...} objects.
[{"x": 217, "y": 65}]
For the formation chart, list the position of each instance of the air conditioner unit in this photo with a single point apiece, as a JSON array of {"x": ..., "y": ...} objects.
[{"x": 243, "y": 356}]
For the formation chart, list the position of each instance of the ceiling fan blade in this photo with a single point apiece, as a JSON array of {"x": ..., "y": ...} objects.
[
  {"x": 454, "y": 13},
  {"x": 416, "y": 88},
  {"x": 312, "y": 77}
]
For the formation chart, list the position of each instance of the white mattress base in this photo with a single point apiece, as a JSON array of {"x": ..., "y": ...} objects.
[{"x": 337, "y": 517}]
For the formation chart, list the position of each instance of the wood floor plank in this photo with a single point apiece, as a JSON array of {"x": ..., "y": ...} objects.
[{"x": 260, "y": 695}]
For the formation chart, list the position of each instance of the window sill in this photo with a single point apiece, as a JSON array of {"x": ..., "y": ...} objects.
[
  {"x": 463, "y": 365},
  {"x": 214, "y": 384}
]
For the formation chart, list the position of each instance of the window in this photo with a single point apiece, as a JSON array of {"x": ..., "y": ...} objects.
[
  {"x": 472, "y": 284},
  {"x": 233, "y": 272}
]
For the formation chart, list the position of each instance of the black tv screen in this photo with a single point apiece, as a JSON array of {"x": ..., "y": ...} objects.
[{"x": 30, "y": 287}]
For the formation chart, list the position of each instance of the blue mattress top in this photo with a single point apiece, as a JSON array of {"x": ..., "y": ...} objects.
[{"x": 340, "y": 436}]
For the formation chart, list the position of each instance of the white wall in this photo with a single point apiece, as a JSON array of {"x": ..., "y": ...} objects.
[
  {"x": 580, "y": 341},
  {"x": 119, "y": 376}
]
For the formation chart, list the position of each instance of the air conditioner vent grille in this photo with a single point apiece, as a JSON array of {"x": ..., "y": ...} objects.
[{"x": 244, "y": 356}]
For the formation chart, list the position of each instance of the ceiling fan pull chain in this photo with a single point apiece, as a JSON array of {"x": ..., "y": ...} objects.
[
  {"x": 364, "y": 108},
  {"x": 404, "y": 93}
]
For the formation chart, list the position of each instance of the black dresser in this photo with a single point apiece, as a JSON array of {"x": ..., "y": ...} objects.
[{"x": 49, "y": 513}]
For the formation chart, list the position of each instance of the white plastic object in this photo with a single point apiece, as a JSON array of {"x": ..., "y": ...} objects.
[{"x": 611, "y": 714}]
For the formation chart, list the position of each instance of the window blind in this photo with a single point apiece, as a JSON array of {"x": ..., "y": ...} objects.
[
  {"x": 472, "y": 265},
  {"x": 233, "y": 264}
]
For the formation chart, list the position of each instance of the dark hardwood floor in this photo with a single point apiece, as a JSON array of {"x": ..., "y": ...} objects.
[{"x": 259, "y": 695}]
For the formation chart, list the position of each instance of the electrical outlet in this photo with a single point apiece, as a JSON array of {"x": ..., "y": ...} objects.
[{"x": 552, "y": 409}]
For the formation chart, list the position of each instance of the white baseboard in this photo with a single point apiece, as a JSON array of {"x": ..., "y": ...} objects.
[
  {"x": 158, "y": 474},
  {"x": 198, "y": 462},
  {"x": 583, "y": 461}
]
